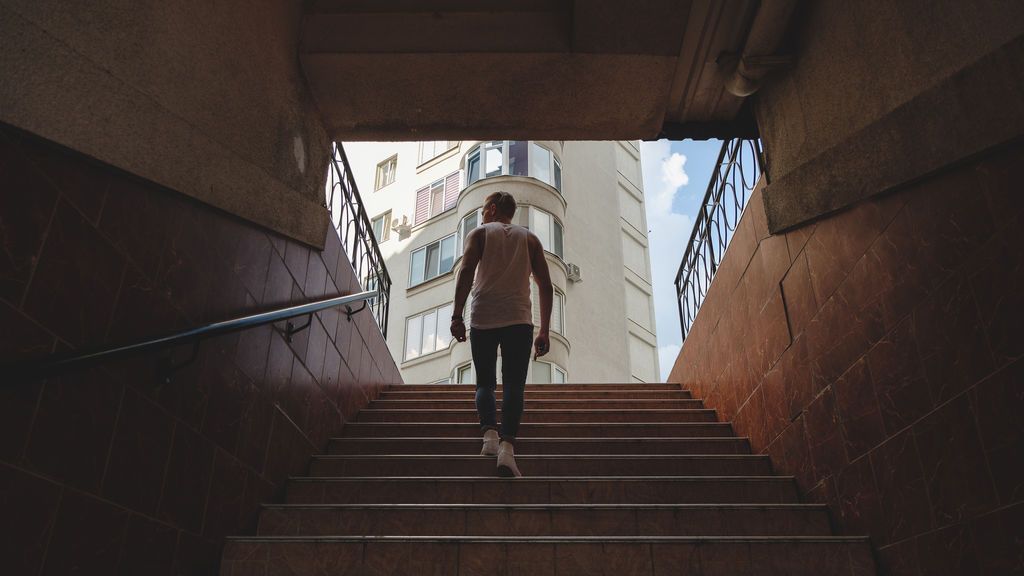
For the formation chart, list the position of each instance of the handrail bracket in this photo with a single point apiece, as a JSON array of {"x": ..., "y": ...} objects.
[{"x": 291, "y": 330}]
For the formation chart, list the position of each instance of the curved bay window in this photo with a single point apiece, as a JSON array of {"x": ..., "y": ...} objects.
[
  {"x": 513, "y": 158},
  {"x": 540, "y": 373},
  {"x": 541, "y": 223}
]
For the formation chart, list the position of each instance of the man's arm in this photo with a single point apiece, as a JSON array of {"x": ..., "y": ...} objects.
[
  {"x": 467, "y": 272},
  {"x": 542, "y": 275}
]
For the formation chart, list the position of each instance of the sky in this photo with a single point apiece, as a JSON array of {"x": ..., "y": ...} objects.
[{"x": 675, "y": 176}]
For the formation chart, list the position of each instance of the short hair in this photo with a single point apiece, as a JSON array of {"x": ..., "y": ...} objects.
[{"x": 504, "y": 201}]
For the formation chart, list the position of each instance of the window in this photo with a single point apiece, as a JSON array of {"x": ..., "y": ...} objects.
[
  {"x": 466, "y": 226},
  {"x": 540, "y": 163},
  {"x": 515, "y": 158},
  {"x": 440, "y": 196},
  {"x": 548, "y": 229},
  {"x": 431, "y": 150},
  {"x": 436, "y": 198},
  {"x": 432, "y": 260},
  {"x": 381, "y": 226},
  {"x": 427, "y": 332},
  {"x": 464, "y": 374},
  {"x": 386, "y": 172},
  {"x": 557, "y": 309},
  {"x": 371, "y": 286},
  {"x": 548, "y": 373}
]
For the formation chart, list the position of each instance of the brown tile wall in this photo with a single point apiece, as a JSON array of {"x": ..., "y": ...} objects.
[
  {"x": 877, "y": 356},
  {"x": 104, "y": 471}
]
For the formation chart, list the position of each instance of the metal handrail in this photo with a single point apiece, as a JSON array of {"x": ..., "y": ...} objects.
[
  {"x": 739, "y": 167},
  {"x": 60, "y": 363}
]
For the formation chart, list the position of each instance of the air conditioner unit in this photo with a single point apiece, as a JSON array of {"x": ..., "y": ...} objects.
[
  {"x": 402, "y": 228},
  {"x": 573, "y": 272}
]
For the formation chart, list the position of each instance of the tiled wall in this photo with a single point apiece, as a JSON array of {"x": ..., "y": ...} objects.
[
  {"x": 877, "y": 356},
  {"x": 105, "y": 471}
]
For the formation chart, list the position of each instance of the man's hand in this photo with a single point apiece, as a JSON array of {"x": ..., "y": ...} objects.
[
  {"x": 541, "y": 345},
  {"x": 458, "y": 330}
]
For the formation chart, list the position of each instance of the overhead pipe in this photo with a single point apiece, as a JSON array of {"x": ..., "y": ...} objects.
[{"x": 760, "y": 53}]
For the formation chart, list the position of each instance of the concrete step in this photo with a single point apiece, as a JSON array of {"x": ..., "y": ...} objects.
[
  {"x": 470, "y": 446},
  {"x": 550, "y": 465},
  {"x": 534, "y": 387},
  {"x": 542, "y": 430},
  {"x": 544, "y": 490},
  {"x": 564, "y": 556},
  {"x": 589, "y": 415},
  {"x": 544, "y": 520},
  {"x": 545, "y": 404},
  {"x": 469, "y": 394}
]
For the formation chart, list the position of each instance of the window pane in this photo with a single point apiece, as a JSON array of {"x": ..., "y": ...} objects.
[
  {"x": 444, "y": 333},
  {"x": 541, "y": 373},
  {"x": 447, "y": 254},
  {"x": 437, "y": 198},
  {"x": 429, "y": 332},
  {"x": 557, "y": 237},
  {"x": 557, "y": 303},
  {"x": 492, "y": 161},
  {"x": 468, "y": 223},
  {"x": 433, "y": 259},
  {"x": 413, "y": 330},
  {"x": 558, "y": 377},
  {"x": 465, "y": 374},
  {"x": 378, "y": 228},
  {"x": 473, "y": 168},
  {"x": 418, "y": 263},
  {"x": 558, "y": 175},
  {"x": 540, "y": 224},
  {"x": 535, "y": 302},
  {"x": 517, "y": 158},
  {"x": 540, "y": 163}
]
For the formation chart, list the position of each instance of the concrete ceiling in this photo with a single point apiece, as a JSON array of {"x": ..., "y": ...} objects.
[{"x": 541, "y": 69}]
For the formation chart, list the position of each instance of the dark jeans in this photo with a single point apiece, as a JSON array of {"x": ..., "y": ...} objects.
[{"x": 516, "y": 344}]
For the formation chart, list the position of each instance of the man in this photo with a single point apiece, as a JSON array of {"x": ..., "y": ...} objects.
[{"x": 497, "y": 263}]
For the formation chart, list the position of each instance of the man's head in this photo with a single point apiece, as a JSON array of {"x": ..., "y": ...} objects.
[{"x": 499, "y": 207}]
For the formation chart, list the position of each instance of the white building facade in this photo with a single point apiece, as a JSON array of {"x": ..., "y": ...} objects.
[{"x": 424, "y": 197}]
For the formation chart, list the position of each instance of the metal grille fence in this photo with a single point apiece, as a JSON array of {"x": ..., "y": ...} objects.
[
  {"x": 736, "y": 174},
  {"x": 353, "y": 225}
]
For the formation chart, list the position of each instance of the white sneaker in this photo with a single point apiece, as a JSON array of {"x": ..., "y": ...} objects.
[
  {"x": 490, "y": 443},
  {"x": 507, "y": 461}
]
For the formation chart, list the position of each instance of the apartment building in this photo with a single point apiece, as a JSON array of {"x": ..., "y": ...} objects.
[{"x": 583, "y": 199}]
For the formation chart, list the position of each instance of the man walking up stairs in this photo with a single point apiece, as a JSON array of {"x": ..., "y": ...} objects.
[{"x": 497, "y": 264}]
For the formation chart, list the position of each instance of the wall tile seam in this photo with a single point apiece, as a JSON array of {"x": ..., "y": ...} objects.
[
  {"x": 113, "y": 435},
  {"x": 64, "y": 487},
  {"x": 42, "y": 242},
  {"x": 870, "y": 246},
  {"x": 51, "y": 529}
]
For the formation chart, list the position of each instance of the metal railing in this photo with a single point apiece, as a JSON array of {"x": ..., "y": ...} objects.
[
  {"x": 357, "y": 240},
  {"x": 736, "y": 174},
  {"x": 80, "y": 359}
]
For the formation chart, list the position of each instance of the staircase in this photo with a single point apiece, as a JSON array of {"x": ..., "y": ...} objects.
[{"x": 619, "y": 479}]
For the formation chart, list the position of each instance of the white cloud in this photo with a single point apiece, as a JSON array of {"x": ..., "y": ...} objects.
[
  {"x": 664, "y": 174},
  {"x": 672, "y": 170}
]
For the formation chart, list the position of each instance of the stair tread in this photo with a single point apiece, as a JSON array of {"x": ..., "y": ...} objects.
[
  {"x": 536, "y": 439},
  {"x": 548, "y": 539},
  {"x": 581, "y": 506},
  {"x": 526, "y": 479}
]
